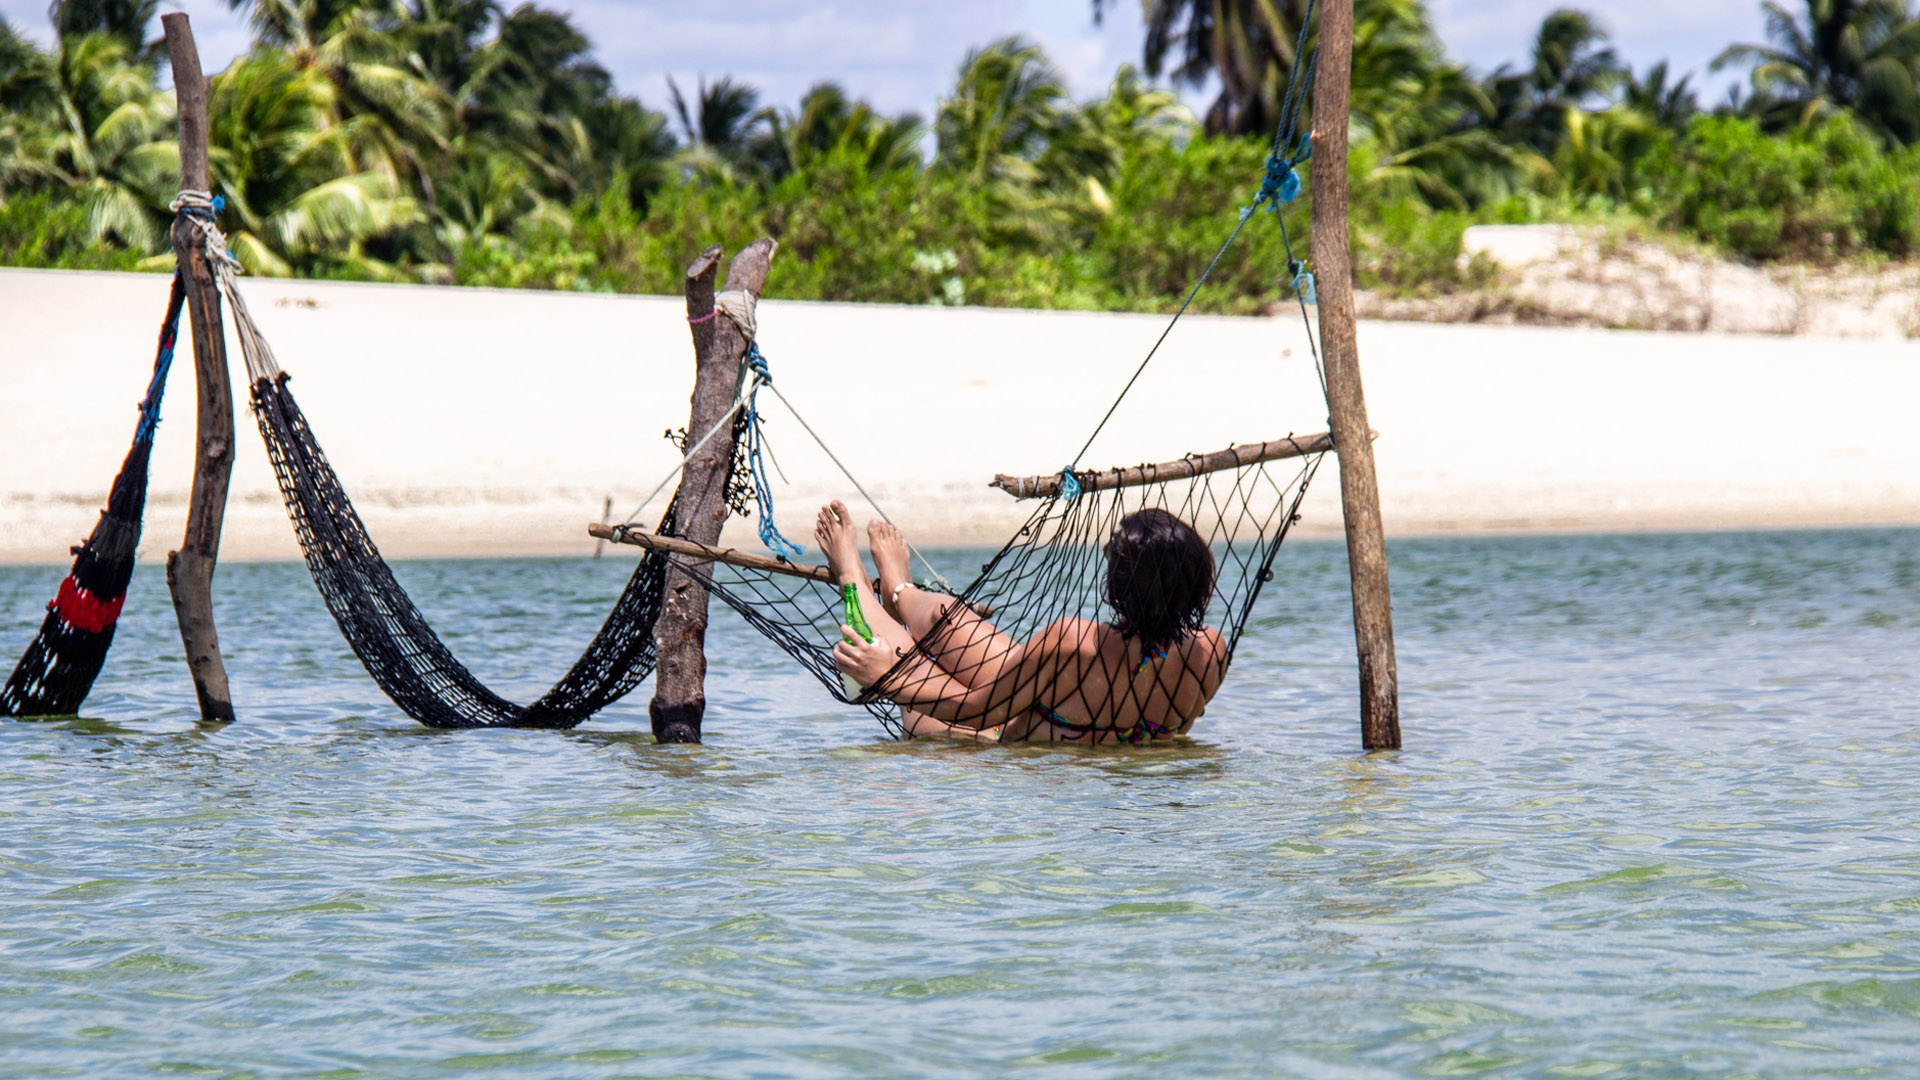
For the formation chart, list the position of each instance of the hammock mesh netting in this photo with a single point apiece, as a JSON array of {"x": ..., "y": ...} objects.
[
  {"x": 1053, "y": 573},
  {"x": 59, "y": 667},
  {"x": 379, "y": 620},
  {"x": 388, "y": 633}
]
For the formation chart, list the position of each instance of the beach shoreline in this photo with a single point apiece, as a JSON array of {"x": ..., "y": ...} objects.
[{"x": 482, "y": 423}]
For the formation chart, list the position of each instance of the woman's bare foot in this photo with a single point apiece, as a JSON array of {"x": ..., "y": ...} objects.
[
  {"x": 833, "y": 531},
  {"x": 891, "y": 559}
]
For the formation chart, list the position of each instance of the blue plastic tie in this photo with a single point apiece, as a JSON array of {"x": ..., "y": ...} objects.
[
  {"x": 150, "y": 410},
  {"x": 1069, "y": 484},
  {"x": 219, "y": 203},
  {"x": 1303, "y": 282},
  {"x": 162, "y": 363}
]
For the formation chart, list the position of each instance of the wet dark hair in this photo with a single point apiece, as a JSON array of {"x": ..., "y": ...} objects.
[{"x": 1159, "y": 578}]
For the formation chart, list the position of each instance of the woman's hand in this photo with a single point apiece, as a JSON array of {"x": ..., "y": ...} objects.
[{"x": 864, "y": 661}]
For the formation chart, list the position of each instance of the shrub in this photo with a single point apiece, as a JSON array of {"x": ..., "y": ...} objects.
[
  {"x": 1407, "y": 249},
  {"x": 1818, "y": 193},
  {"x": 43, "y": 232}
]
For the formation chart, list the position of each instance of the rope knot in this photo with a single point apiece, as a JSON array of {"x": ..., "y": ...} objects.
[
  {"x": 1069, "y": 484},
  {"x": 200, "y": 204},
  {"x": 757, "y": 364},
  {"x": 1282, "y": 182}
]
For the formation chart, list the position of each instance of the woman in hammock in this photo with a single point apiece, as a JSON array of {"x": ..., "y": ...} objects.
[{"x": 1145, "y": 676}]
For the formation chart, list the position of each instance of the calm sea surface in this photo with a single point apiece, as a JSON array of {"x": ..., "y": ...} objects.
[{"x": 1658, "y": 816}]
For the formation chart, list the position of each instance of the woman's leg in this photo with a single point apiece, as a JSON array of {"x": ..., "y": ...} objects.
[
  {"x": 921, "y": 726},
  {"x": 969, "y": 648},
  {"x": 833, "y": 531}
]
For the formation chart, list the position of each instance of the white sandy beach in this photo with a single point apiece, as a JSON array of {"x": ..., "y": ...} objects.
[{"x": 482, "y": 422}]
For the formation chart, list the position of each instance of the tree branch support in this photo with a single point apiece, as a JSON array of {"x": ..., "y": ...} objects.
[
  {"x": 699, "y": 507},
  {"x": 1339, "y": 343},
  {"x": 190, "y": 569}
]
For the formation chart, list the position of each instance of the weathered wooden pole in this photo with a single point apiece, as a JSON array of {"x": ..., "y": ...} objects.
[
  {"x": 1359, "y": 486},
  {"x": 190, "y": 569},
  {"x": 700, "y": 504}
]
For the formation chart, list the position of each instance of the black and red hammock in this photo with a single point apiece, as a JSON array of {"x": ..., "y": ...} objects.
[{"x": 58, "y": 670}]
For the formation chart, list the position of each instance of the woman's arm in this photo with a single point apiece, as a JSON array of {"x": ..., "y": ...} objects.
[{"x": 923, "y": 686}]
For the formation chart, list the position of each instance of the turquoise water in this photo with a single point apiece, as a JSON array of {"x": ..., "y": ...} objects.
[{"x": 1658, "y": 816}]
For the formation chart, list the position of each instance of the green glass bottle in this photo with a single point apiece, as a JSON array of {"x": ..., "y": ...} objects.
[{"x": 850, "y": 600}]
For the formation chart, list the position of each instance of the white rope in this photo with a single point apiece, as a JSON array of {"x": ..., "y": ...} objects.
[
  {"x": 197, "y": 207},
  {"x": 844, "y": 471},
  {"x": 726, "y": 421},
  {"x": 739, "y": 306}
]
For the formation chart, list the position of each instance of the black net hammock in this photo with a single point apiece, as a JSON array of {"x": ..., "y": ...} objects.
[
  {"x": 58, "y": 669},
  {"x": 379, "y": 620},
  {"x": 1051, "y": 578}
]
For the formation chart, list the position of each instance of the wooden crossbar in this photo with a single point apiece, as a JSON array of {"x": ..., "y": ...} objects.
[
  {"x": 673, "y": 545},
  {"x": 1234, "y": 457}
]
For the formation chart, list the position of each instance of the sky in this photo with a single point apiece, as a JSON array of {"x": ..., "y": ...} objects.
[{"x": 902, "y": 56}]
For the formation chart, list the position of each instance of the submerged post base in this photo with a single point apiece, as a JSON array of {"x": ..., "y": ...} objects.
[{"x": 676, "y": 723}]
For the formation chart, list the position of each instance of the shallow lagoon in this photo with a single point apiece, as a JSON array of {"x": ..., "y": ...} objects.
[{"x": 1658, "y": 815}]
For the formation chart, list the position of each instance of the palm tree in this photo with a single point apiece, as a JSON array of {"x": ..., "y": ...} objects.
[
  {"x": 1135, "y": 115},
  {"x": 1007, "y": 107},
  {"x": 1572, "y": 67},
  {"x": 485, "y": 197},
  {"x": 629, "y": 150},
  {"x": 1860, "y": 56},
  {"x": 29, "y": 92},
  {"x": 295, "y": 200},
  {"x": 105, "y": 138},
  {"x": 830, "y": 124},
  {"x": 1669, "y": 106},
  {"x": 1600, "y": 149},
  {"x": 1247, "y": 44},
  {"x": 1428, "y": 142},
  {"x": 1420, "y": 120},
  {"x": 721, "y": 125},
  {"x": 447, "y": 46},
  {"x": 1010, "y": 131},
  {"x": 127, "y": 20},
  {"x": 393, "y": 120}
]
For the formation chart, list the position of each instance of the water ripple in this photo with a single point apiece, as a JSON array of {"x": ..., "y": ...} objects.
[{"x": 1656, "y": 818}]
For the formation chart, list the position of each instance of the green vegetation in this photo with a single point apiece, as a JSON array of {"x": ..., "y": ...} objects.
[{"x": 458, "y": 140}]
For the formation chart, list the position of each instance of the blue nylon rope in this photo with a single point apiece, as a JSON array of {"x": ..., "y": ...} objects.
[
  {"x": 1291, "y": 148},
  {"x": 1069, "y": 484},
  {"x": 162, "y": 363},
  {"x": 757, "y": 454}
]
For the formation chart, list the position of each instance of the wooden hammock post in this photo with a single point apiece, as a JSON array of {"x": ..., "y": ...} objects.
[
  {"x": 190, "y": 569},
  {"x": 1359, "y": 486},
  {"x": 700, "y": 503}
]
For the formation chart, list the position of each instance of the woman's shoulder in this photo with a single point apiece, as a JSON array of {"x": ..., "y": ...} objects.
[
  {"x": 1206, "y": 647},
  {"x": 1073, "y": 635}
]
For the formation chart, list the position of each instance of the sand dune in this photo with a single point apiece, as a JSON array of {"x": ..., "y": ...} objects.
[{"x": 479, "y": 422}]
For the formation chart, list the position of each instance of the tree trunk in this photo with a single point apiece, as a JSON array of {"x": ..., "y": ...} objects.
[
  {"x": 699, "y": 506},
  {"x": 190, "y": 569},
  {"x": 1359, "y": 486}
]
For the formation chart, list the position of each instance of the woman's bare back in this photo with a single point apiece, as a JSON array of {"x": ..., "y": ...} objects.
[{"x": 1106, "y": 690}]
